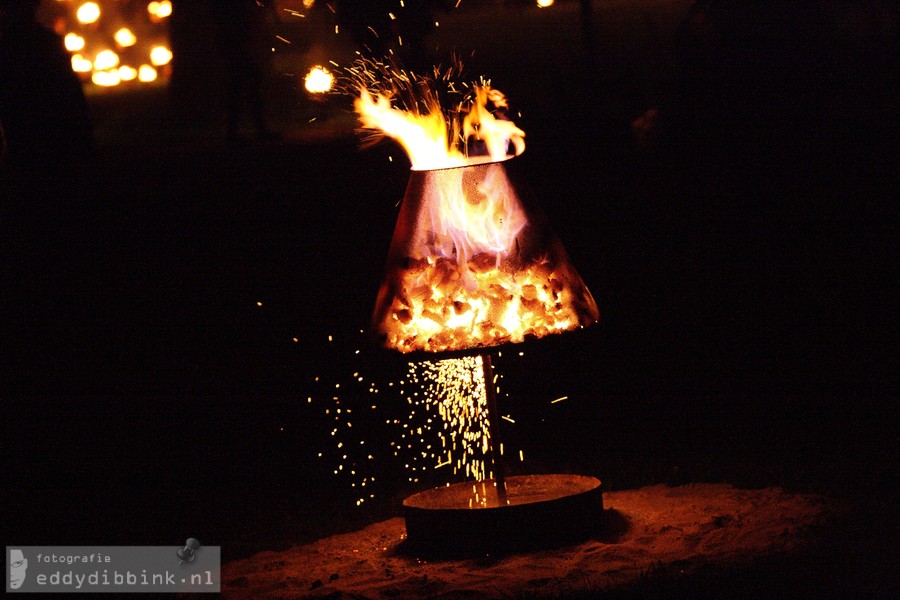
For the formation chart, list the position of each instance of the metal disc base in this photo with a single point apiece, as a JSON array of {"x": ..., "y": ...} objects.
[{"x": 542, "y": 511}]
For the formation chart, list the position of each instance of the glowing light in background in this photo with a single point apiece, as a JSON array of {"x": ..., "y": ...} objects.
[
  {"x": 160, "y": 10},
  {"x": 544, "y": 3},
  {"x": 81, "y": 65},
  {"x": 125, "y": 38},
  {"x": 101, "y": 29},
  {"x": 106, "y": 78},
  {"x": 106, "y": 59},
  {"x": 160, "y": 55},
  {"x": 146, "y": 74},
  {"x": 88, "y": 13},
  {"x": 127, "y": 73},
  {"x": 319, "y": 80},
  {"x": 74, "y": 42}
]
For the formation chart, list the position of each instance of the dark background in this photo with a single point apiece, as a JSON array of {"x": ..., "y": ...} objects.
[{"x": 743, "y": 253}]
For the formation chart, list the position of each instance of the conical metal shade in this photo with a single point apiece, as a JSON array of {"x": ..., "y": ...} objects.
[{"x": 472, "y": 266}]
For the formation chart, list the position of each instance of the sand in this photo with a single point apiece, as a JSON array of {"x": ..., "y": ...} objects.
[{"x": 682, "y": 528}]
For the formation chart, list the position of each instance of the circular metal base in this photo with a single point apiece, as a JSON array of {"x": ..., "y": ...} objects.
[{"x": 541, "y": 511}]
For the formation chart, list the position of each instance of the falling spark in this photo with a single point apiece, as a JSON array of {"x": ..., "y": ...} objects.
[
  {"x": 560, "y": 399},
  {"x": 443, "y": 433}
]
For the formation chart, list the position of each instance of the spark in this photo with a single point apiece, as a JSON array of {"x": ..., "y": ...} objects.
[{"x": 560, "y": 399}]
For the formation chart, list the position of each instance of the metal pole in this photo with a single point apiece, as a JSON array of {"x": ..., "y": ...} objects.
[{"x": 494, "y": 428}]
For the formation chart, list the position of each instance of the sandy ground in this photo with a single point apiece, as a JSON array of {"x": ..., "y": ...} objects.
[{"x": 651, "y": 528}]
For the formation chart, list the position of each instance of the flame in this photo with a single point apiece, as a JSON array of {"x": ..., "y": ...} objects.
[
  {"x": 463, "y": 271},
  {"x": 544, "y": 3},
  {"x": 430, "y": 140},
  {"x": 497, "y": 134}
]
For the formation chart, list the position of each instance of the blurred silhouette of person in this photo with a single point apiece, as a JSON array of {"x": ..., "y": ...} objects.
[
  {"x": 245, "y": 36},
  {"x": 43, "y": 112}
]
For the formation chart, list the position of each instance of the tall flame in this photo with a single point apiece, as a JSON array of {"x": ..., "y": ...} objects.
[{"x": 431, "y": 140}]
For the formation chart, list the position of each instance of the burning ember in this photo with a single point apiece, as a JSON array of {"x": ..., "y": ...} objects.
[{"x": 470, "y": 265}]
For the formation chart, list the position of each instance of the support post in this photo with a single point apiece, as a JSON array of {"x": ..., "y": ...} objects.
[{"x": 494, "y": 428}]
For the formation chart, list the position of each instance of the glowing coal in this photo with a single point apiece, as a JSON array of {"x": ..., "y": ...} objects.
[{"x": 469, "y": 267}]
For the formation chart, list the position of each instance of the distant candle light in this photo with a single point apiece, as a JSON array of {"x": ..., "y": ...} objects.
[
  {"x": 88, "y": 13},
  {"x": 125, "y": 38},
  {"x": 160, "y": 55},
  {"x": 74, "y": 42}
]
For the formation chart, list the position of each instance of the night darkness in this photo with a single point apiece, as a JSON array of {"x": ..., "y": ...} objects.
[{"x": 178, "y": 308}]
